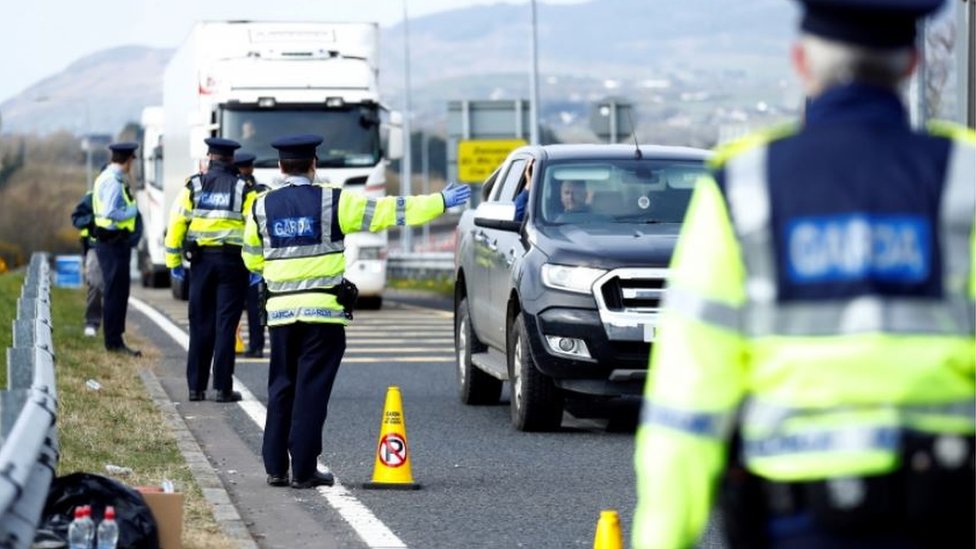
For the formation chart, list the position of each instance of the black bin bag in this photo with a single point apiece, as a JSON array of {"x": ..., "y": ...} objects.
[{"x": 137, "y": 528}]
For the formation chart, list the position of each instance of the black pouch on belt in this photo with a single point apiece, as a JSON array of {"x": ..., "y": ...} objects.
[
  {"x": 346, "y": 295},
  {"x": 939, "y": 474},
  {"x": 191, "y": 251}
]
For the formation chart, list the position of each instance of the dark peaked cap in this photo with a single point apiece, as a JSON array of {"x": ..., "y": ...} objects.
[
  {"x": 124, "y": 147},
  {"x": 243, "y": 159},
  {"x": 221, "y": 146},
  {"x": 297, "y": 146},
  {"x": 879, "y": 24}
]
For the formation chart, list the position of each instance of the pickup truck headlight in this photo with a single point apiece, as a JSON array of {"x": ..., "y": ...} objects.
[{"x": 570, "y": 279}]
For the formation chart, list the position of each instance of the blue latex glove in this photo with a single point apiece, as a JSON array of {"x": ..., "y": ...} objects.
[
  {"x": 177, "y": 273},
  {"x": 254, "y": 279},
  {"x": 455, "y": 194}
]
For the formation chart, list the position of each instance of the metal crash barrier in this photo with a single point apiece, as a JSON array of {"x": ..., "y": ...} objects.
[
  {"x": 28, "y": 407},
  {"x": 420, "y": 266}
]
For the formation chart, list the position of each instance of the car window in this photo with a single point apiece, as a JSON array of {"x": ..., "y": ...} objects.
[
  {"x": 489, "y": 185},
  {"x": 515, "y": 173},
  {"x": 618, "y": 191}
]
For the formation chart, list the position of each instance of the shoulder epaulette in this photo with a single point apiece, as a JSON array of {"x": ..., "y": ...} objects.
[{"x": 756, "y": 139}]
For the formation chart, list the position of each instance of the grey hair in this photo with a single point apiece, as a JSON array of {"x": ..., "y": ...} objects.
[{"x": 832, "y": 63}]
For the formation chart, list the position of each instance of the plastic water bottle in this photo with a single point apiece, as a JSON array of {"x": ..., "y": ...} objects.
[
  {"x": 108, "y": 530},
  {"x": 81, "y": 530}
]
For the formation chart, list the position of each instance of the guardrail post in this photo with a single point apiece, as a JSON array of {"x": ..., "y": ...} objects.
[{"x": 29, "y": 453}]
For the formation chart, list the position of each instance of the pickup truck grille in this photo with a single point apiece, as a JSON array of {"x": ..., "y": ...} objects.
[
  {"x": 629, "y": 301},
  {"x": 633, "y": 294}
]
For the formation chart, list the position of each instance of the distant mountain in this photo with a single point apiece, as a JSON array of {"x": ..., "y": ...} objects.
[
  {"x": 96, "y": 94},
  {"x": 586, "y": 51}
]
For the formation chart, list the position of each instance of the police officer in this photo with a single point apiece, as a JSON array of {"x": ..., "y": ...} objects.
[
  {"x": 83, "y": 218},
  {"x": 817, "y": 344},
  {"x": 244, "y": 162},
  {"x": 208, "y": 223},
  {"x": 115, "y": 222},
  {"x": 294, "y": 237}
]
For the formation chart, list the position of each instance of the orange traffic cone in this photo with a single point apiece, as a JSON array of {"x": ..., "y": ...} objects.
[
  {"x": 608, "y": 531},
  {"x": 391, "y": 469},
  {"x": 239, "y": 344}
]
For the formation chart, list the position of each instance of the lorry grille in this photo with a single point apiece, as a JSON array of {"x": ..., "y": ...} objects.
[{"x": 634, "y": 291}]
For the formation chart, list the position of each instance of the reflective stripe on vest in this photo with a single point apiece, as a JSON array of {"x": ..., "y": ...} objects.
[
  {"x": 368, "y": 214},
  {"x": 759, "y": 416},
  {"x": 707, "y": 424}
]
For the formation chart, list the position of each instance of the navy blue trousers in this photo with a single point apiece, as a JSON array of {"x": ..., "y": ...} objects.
[
  {"x": 254, "y": 328},
  {"x": 305, "y": 359},
  {"x": 114, "y": 259},
  {"x": 218, "y": 285}
]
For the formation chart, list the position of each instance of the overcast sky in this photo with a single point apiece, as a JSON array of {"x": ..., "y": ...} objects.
[{"x": 39, "y": 38}]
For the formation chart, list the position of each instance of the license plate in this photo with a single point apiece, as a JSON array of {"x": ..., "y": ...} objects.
[{"x": 650, "y": 331}]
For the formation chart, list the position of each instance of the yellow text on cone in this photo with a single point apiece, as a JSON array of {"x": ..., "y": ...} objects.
[
  {"x": 391, "y": 469},
  {"x": 608, "y": 531},
  {"x": 239, "y": 344}
]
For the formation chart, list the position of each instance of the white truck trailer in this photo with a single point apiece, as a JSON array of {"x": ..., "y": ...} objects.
[{"x": 255, "y": 81}]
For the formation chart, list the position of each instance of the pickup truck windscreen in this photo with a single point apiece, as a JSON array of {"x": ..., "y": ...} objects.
[
  {"x": 351, "y": 134},
  {"x": 617, "y": 191}
]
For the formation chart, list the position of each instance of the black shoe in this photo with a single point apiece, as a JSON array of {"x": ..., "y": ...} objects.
[
  {"x": 125, "y": 350},
  {"x": 196, "y": 396},
  {"x": 228, "y": 396},
  {"x": 317, "y": 479},
  {"x": 256, "y": 353},
  {"x": 278, "y": 480}
]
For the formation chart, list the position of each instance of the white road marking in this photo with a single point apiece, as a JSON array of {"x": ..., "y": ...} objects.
[{"x": 370, "y": 529}]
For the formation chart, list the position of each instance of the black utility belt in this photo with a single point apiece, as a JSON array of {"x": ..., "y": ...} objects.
[
  {"x": 933, "y": 486},
  {"x": 223, "y": 249},
  {"x": 110, "y": 236}
]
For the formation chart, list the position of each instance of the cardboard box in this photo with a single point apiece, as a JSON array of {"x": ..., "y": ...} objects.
[{"x": 167, "y": 509}]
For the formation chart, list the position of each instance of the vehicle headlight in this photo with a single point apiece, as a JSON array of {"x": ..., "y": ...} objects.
[{"x": 570, "y": 279}]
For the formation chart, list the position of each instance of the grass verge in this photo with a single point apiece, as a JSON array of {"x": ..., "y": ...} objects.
[
  {"x": 10, "y": 287},
  {"x": 440, "y": 286},
  {"x": 118, "y": 424}
]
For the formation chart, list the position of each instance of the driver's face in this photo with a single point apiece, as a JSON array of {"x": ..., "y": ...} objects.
[{"x": 573, "y": 195}]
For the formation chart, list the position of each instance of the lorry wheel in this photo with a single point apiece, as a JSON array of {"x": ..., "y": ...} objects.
[
  {"x": 474, "y": 385},
  {"x": 537, "y": 404},
  {"x": 370, "y": 303}
]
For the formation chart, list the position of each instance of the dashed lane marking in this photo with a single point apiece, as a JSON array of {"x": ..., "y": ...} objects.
[{"x": 370, "y": 529}]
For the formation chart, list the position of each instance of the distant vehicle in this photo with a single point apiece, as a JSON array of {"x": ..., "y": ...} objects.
[
  {"x": 564, "y": 304},
  {"x": 254, "y": 82}
]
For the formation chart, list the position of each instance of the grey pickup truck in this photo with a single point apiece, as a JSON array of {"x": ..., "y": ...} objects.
[{"x": 560, "y": 273}]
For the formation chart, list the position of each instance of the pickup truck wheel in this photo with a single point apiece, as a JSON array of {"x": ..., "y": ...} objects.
[
  {"x": 474, "y": 385},
  {"x": 537, "y": 404}
]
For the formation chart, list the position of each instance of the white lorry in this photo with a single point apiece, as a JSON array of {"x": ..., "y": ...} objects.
[{"x": 255, "y": 81}]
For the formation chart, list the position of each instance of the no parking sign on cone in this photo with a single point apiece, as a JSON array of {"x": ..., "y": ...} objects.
[{"x": 391, "y": 468}]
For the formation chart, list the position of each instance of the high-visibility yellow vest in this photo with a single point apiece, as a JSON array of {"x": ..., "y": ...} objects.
[
  {"x": 817, "y": 388},
  {"x": 294, "y": 238},
  {"x": 209, "y": 211},
  {"x": 113, "y": 207}
]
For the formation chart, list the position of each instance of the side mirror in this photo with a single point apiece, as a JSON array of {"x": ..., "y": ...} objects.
[{"x": 493, "y": 215}]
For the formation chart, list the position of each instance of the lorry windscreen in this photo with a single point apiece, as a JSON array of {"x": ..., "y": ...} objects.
[
  {"x": 351, "y": 134},
  {"x": 618, "y": 190}
]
